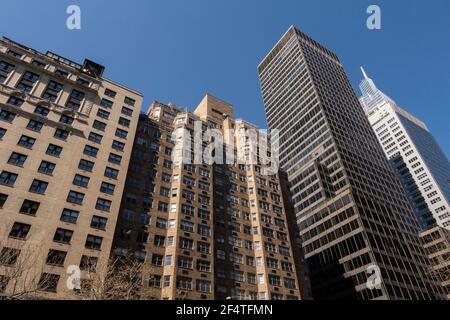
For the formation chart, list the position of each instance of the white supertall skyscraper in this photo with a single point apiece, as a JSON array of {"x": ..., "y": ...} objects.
[{"x": 421, "y": 165}]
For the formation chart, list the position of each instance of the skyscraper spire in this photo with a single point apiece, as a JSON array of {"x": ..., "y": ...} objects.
[{"x": 364, "y": 73}]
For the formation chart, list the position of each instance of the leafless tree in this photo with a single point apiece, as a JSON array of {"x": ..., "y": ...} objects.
[
  {"x": 20, "y": 278},
  {"x": 121, "y": 279}
]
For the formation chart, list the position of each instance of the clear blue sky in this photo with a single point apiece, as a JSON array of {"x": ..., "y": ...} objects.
[{"x": 176, "y": 51}]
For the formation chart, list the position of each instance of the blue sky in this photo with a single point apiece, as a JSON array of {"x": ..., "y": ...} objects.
[{"x": 176, "y": 51}]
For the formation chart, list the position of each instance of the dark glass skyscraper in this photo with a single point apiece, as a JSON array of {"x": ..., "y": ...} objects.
[{"x": 351, "y": 209}]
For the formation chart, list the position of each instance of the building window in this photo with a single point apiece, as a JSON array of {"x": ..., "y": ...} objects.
[
  {"x": 157, "y": 260},
  {"x": 119, "y": 146},
  {"x": 69, "y": 216},
  {"x": 61, "y": 134},
  {"x": 289, "y": 283},
  {"x": 203, "y": 266},
  {"x": 52, "y": 91},
  {"x": 114, "y": 158},
  {"x": 7, "y": 116},
  {"x": 127, "y": 111},
  {"x": 203, "y": 247},
  {"x": 38, "y": 186},
  {"x": 81, "y": 181},
  {"x": 8, "y": 178},
  {"x": 106, "y": 103},
  {"x": 86, "y": 165},
  {"x": 121, "y": 133},
  {"x": 9, "y": 256},
  {"x": 34, "y": 125},
  {"x": 15, "y": 101},
  {"x": 66, "y": 119},
  {"x": 103, "y": 205},
  {"x": 3, "y": 198},
  {"x": 103, "y": 114},
  {"x": 19, "y": 230},
  {"x": 29, "y": 207},
  {"x": 75, "y": 197},
  {"x": 83, "y": 82},
  {"x": 63, "y": 236},
  {"x": 129, "y": 101},
  {"x": 110, "y": 93},
  {"x": 17, "y": 159},
  {"x": 2, "y": 133},
  {"x": 75, "y": 99},
  {"x": 184, "y": 283},
  {"x": 99, "y": 125},
  {"x": 88, "y": 263},
  {"x": 203, "y": 286},
  {"x": 26, "y": 142},
  {"x": 48, "y": 282},
  {"x": 124, "y": 122},
  {"x": 111, "y": 173},
  {"x": 61, "y": 73},
  {"x": 93, "y": 242},
  {"x": 56, "y": 258},
  {"x": 43, "y": 111},
  {"x": 46, "y": 168},
  {"x": 54, "y": 150},
  {"x": 96, "y": 138},
  {"x": 90, "y": 151},
  {"x": 99, "y": 223},
  {"x": 27, "y": 81},
  {"x": 107, "y": 188}
]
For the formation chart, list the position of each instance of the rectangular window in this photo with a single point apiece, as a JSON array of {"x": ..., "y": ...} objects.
[
  {"x": 7, "y": 116},
  {"x": 114, "y": 158},
  {"x": 124, "y": 122},
  {"x": 19, "y": 230},
  {"x": 90, "y": 151},
  {"x": 107, "y": 188},
  {"x": 56, "y": 258},
  {"x": 103, "y": 114},
  {"x": 29, "y": 207},
  {"x": 69, "y": 216},
  {"x": 17, "y": 159},
  {"x": 54, "y": 150},
  {"x": 99, "y": 223},
  {"x": 111, "y": 173},
  {"x": 127, "y": 111},
  {"x": 110, "y": 93},
  {"x": 61, "y": 134},
  {"x": 103, "y": 205},
  {"x": 52, "y": 91},
  {"x": 2, "y": 133},
  {"x": 99, "y": 125},
  {"x": 81, "y": 181},
  {"x": 66, "y": 120},
  {"x": 63, "y": 236},
  {"x": 121, "y": 133},
  {"x": 3, "y": 198},
  {"x": 86, "y": 165},
  {"x": 106, "y": 103},
  {"x": 119, "y": 146},
  {"x": 129, "y": 101},
  {"x": 75, "y": 99},
  {"x": 8, "y": 178},
  {"x": 34, "y": 125},
  {"x": 38, "y": 186},
  {"x": 93, "y": 242},
  {"x": 15, "y": 101},
  {"x": 26, "y": 142},
  {"x": 48, "y": 282},
  {"x": 75, "y": 197},
  {"x": 96, "y": 138}
]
